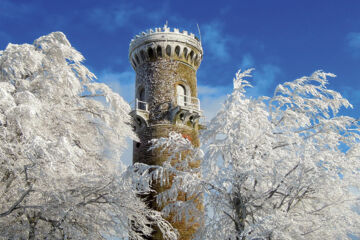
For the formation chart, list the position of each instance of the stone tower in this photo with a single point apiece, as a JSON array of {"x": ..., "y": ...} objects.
[{"x": 165, "y": 62}]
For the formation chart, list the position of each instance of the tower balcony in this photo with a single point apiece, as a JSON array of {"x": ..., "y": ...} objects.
[
  {"x": 186, "y": 110},
  {"x": 190, "y": 103},
  {"x": 140, "y": 106},
  {"x": 140, "y": 113}
]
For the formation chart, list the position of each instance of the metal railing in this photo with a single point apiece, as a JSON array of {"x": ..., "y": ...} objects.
[
  {"x": 181, "y": 100},
  {"x": 187, "y": 101},
  {"x": 140, "y": 105}
]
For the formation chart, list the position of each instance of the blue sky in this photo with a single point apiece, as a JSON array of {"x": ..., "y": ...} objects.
[{"x": 283, "y": 40}]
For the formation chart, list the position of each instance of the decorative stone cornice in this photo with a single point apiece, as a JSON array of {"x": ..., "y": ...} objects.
[{"x": 164, "y": 43}]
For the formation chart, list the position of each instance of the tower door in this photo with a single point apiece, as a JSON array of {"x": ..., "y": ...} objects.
[{"x": 181, "y": 95}]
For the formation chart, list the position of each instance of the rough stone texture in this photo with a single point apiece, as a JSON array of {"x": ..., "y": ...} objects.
[
  {"x": 159, "y": 79},
  {"x": 159, "y": 68}
]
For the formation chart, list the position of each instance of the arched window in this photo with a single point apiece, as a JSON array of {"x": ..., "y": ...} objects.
[
  {"x": 142, "y": 95},
  {"x": 159, "y": 51},
  {"x": 142, "y": 99},
  {"x": 181, "y": 95},
  {"x": 177, "y": 51},
  {"x": 168, "y": 50},
  {"x": 191, "y": 55},
  {"x": 151, "y": 53},
  {"x": 196, "y": 62},
  {"x": 185, "y": 53}
]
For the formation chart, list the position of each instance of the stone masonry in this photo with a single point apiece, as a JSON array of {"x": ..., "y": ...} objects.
[{"x": 165, "y": 61}]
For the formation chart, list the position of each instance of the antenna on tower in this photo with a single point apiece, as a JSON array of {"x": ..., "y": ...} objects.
[{"x": 199, "y": 32}]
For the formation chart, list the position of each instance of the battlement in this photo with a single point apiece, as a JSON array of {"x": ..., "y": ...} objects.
[
  {"x": 164, "y": 43},
  {"x": 164, "y": 29}
]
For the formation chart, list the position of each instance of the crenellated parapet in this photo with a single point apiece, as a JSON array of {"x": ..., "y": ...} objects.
[{"x": 164, "y": 43}]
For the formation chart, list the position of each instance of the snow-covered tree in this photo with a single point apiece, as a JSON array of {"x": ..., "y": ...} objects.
[
  {"x": 285, "y": 167},
  {"x": 61, "y": 137}
]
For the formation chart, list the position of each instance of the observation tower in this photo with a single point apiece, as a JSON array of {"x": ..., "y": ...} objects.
[{"x": 165, "y": 61}]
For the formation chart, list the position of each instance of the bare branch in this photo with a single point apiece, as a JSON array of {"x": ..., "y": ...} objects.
[
  {"x": 271, "y": 193},
  {"x": 13, "y": 207}
]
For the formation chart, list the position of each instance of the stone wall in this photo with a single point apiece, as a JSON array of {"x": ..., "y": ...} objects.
[
  {"x": 159, "y": 79},
  {"x": 160, "y": 66}
]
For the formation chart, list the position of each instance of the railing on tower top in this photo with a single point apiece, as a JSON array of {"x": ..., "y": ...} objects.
[
  {"x": 189, "y": 102},
  {"x": 140, "y": 105}
]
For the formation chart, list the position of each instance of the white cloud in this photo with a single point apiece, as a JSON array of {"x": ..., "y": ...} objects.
[
  {"x": 125, "y": 15},
  {"x": 212, "y": 98},
  {"x": 353, "y": 42},
  {"x": 264, "y": 76},
  {"x": 216, "y": 41},
  {"x": 120, "y": 82},
  {"x": 9, "y": 9},
  {"x": 211, "y": 105},
  {"x": 204, "y": 90},
  {"x": 247, "y": 61},
  {"x": 110, "y": 20},
  {"x": 264, "y": 80}
]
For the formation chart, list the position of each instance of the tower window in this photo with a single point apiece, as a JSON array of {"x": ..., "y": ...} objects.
[
  {"x": 196, "y": 60},
  {"x": 151, "y": 53},
  {"x": 177, "y": 51},
  {"x": 159, "y": 51},
  {"x": 185, "y": 53},
  {"x": 181, "y": 95},
  {"x": 191, "y": 55},
  {"x": 168, "y": 50},
  {"x": 142, "y": 99}
]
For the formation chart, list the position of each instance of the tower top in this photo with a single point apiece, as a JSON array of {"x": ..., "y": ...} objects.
[{"x": 164, "y": 42}]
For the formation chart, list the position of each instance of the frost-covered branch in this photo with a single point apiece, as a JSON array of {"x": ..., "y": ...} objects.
[
  {"x": 60, "y": 148},
  {"x": 285, "y": 167}
]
